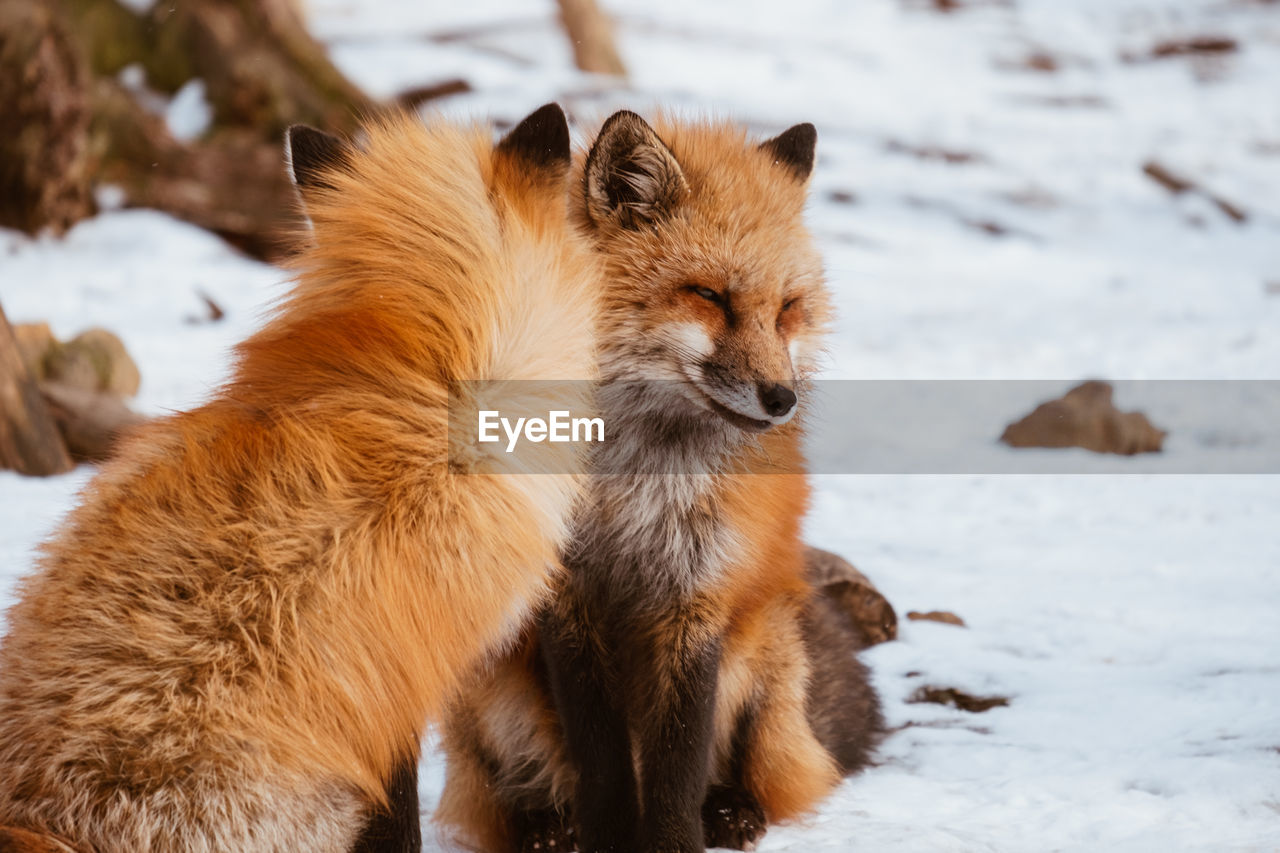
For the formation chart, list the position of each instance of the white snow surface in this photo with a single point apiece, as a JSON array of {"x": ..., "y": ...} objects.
[{"x": 1131, "y": 619}]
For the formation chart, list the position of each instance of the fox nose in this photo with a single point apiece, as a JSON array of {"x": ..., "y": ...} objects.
[{"x": 777, "y": 399}]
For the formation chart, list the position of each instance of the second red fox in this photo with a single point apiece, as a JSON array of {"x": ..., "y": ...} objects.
[{"x": 663, "y": 702}]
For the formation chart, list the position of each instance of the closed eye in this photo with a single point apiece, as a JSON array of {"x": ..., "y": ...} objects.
[
  {"x": 708, "y": 294},
  {"x": 782, "y": 313}
]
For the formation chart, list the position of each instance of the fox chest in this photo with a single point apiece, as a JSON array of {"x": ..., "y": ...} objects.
[{"x": 654, "y": 536}]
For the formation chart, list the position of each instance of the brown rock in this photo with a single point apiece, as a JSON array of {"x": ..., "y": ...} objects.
[
  {"x": 872, "y": 615},
  {"x": 91, "y": 422},
  {"x": 94, "y": 360},
  {"x": 943, "y": 616},
  {"x": 1085, "y": 417}
]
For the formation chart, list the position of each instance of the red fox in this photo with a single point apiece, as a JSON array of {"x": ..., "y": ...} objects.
[
  {"x": 664, "y": 701},
  {"x": 236, "y": 639}
]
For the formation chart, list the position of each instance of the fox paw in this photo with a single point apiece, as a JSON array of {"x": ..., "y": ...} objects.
[
  {"x": 546, "y": 832},
  {"x": 732, "y": 818}
]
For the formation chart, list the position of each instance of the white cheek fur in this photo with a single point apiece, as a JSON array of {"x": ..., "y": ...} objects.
[
  {"x": 692, "y": 338},
  {"x": 802, "y": 350}
]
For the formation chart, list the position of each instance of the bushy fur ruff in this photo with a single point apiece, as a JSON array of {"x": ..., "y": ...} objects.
[{"x": 255, "y": 608}]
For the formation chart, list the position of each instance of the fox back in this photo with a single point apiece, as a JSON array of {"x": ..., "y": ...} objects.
[{"x": 241, "y": 630}]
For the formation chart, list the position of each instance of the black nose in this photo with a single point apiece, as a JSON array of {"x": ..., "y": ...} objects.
[{"x": 777, "y": 399}]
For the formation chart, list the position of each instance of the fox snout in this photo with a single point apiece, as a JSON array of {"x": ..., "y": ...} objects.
[
  {"x": 777, "y": 399},
  {"x": 749, "y": 403}
]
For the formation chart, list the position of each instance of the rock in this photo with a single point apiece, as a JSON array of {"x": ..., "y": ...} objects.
[
  {"x": 90, "y": 421},
  {"x": 1086, "y": 417},
  {"x": 872, "y": 615},
  {"x": 94, "y": 360},
  {"x": 76, "y": 392},
  {"x": 943, "y": 616}
]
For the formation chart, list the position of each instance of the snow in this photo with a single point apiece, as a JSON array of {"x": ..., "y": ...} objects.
[
  {"x": 1130, "y": 618},
  {"x": 189, "y": 114}
]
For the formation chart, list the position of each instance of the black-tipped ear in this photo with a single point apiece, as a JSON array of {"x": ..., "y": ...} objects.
[
  {"x": 311, "y": 154},
  {"x": 632, "y": 178},
  {"x": 794, "y": 148},
  {"x": 542, "y": 139}
]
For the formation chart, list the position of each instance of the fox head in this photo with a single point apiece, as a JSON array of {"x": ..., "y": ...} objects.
[{"x": 713, "y": 281}]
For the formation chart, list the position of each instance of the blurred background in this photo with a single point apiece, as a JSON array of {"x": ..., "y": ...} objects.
[{"x": 1005, "y": 189}]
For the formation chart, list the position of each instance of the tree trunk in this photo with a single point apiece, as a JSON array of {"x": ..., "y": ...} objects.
[
  {"x": 44, "y": 121},
  {"x": 75, "y": 125},
  {"x": 29, "y": 439},
  {"x": 68, "y": 125}
]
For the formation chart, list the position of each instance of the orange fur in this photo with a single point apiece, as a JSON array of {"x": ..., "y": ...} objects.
[
  {"x": 786, "y": 768},
  {"x": 258, "y": 605},
  {"x": 733, "y": 225}
]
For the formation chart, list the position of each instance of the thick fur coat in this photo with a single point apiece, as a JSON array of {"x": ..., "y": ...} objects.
[
  {"x": 664, "y": 702},
  {"x": 242, "y": 629}
]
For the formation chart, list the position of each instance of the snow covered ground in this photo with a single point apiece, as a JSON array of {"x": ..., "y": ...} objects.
[{"x": 981, "y": 219}]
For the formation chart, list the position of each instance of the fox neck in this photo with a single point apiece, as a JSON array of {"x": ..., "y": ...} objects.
[
  {"x": 655, "y": 429},
  {"x": 653, "y": 533}
]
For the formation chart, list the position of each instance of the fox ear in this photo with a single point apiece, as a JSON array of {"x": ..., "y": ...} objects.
[
  {"x": 541, "y": 140},
  {"x": 632, "y": 178},
  {"x": 311, "y": 154},
  {"x": 794, "y": 148}
]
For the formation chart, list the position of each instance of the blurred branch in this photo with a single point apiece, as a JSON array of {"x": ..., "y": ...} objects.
[
  {"x": 591, "y": 34},
  {"x": 1180, "y": 184}
]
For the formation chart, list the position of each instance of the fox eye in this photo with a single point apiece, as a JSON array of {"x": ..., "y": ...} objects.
[
  {"x": 708, "y": 294},
  {"x": 790, "y": 303}
]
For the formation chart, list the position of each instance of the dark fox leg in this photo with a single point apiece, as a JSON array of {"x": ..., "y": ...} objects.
[
  {"x": 399, "y": 828},
  {"x": 676, "y": 731},
  {"x": 606, "y": 808},
  {"x": 842, "y": 706},
  {"x": 544, "y": 831},
  {"x": 732, "y": 817}
]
